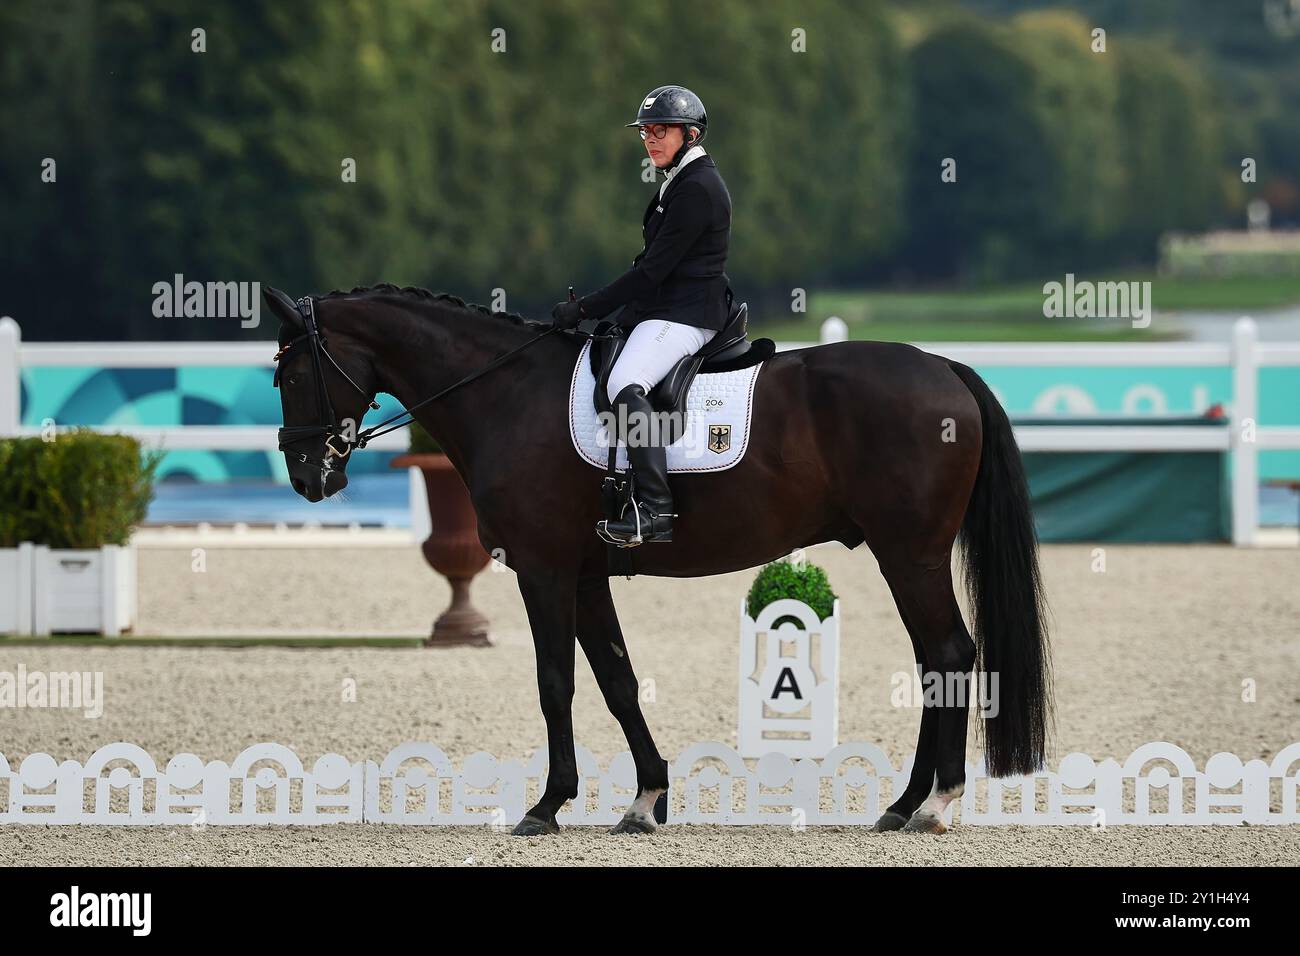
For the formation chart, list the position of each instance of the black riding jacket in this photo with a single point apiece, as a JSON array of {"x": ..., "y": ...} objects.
[{"x": 679, "y": 275}]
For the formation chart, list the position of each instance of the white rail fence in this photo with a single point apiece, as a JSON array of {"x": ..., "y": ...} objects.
[
  {"x": 1242, "y": 440},
  {"x": 418, "y": 784}
]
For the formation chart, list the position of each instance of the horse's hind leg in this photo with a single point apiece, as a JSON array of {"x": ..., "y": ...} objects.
[
  {"x": 933, "y": 618},
  {"x": 602, "y": 641}
]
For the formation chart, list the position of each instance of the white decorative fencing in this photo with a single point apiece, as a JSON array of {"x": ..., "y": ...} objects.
[
  {"x": 417, "y": 784},
  {"x": 788, "y": 702}
]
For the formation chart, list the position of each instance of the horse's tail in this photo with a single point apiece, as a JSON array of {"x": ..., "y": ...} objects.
[{"x": 1000, "y": 563}]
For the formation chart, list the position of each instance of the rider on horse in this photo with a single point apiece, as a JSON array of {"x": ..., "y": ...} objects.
[{"x": 674, "y": 296}]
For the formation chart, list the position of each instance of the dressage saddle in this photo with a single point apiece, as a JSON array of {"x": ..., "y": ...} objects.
[{"x": 727, "y": 351}]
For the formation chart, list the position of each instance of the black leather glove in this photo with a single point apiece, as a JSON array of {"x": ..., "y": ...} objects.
[{"x": 567, "y": 315}]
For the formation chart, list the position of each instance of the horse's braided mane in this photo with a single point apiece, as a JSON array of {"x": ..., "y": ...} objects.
[{"x": 415, "y": 292}]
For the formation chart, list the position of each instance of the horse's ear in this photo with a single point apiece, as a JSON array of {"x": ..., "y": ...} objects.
[{"x": 281, "y": 305}]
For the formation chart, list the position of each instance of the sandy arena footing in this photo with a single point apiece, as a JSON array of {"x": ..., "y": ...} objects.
[{"x": 1157, "y": 647}]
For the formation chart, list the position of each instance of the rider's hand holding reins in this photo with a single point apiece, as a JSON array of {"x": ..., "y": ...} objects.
[{"x": 567, "y": 315}]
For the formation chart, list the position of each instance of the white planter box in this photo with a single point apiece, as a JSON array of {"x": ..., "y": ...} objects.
[
  {"x": 789, "y": 682},
  {"x": 91, "y": 590},
  {"x": 16, "y": 588}
]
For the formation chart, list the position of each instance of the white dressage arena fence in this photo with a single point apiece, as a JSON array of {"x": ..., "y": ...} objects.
[
  {"x": 418, "y": 784},
  {"x": 1243, "y": 440},
  {"x": 789, "y": 681}
]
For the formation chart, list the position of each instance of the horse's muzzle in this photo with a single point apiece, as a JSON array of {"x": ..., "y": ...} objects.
[{"x": 313, "y": 489}]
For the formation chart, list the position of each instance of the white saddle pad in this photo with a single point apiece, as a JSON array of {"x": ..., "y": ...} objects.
[{"x": 718, "y": 410}]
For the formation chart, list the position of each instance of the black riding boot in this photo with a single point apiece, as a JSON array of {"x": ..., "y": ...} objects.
[{"x": 649, "y": 519}]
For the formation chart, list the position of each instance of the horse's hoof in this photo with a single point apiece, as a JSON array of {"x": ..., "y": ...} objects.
[
  {"x": 924, "y": 821},
  {"x": 532, "y": 826},
  {"x": 890, "y": 822},
  {"x": 637, "y": 823}
]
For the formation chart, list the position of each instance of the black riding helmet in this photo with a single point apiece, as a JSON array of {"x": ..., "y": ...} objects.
[{"x": 674, "y": 105}]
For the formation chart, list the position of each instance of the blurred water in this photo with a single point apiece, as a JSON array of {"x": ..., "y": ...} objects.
[
  {"x": 379, "y": 500},
  {"x": 1278, "y": 507},
  {"x": 1275, "y": 325}
]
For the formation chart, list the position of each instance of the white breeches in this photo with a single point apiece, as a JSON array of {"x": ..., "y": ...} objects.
[{"x": 652, "y": 350}]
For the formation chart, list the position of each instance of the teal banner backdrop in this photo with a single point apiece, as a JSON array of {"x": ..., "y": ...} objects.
[{"x": 233, "y": 396}]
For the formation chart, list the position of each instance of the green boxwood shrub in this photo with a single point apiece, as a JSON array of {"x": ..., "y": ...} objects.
[
  {"x": 783, "y": 579},
  {"x": 81, "y": 490},
  {"x": 422, "y": 443}
]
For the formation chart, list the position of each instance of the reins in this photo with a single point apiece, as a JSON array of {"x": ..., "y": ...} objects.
[{"x": 294, "y": 434}]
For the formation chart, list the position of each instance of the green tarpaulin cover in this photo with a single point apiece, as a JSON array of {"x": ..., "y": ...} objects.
[{"x": 1129, "y": 496}]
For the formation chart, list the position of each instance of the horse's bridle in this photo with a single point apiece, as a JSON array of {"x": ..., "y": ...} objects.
[{"x": 329, "y": 430}]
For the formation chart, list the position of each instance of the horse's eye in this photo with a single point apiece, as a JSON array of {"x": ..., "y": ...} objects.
[{"x": 293, "y": 379}]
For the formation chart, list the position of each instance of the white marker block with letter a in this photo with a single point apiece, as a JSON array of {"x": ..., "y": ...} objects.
[{"x": 789, "y": 681}]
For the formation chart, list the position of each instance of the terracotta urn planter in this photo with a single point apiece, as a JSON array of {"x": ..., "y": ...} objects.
[{"x": 452, "y": 549}]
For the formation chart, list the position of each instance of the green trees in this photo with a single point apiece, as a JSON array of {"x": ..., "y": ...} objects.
[
  {"x": 1171, "y": 153},
  {"x": 487, "y": 139},
  {"x": 973, "y": 108},
  {"x": 1065, "y": 157},
  {"x": 489, "y": 148}
]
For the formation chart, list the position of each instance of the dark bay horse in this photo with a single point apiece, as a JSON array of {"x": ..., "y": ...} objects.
[{"x": 854, "y": 442}]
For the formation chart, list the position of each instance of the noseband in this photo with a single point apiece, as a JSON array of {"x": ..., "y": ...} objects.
[{"x": 329, "y": 430}]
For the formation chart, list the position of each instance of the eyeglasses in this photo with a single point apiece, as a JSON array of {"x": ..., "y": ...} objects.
[{"x": 657, "y": 131}]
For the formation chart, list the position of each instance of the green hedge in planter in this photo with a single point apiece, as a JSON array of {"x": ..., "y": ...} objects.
[
  {"x": 422, "y": 443},
  {"x": 18, "y": 512},
  {"x": 783, "y": 579},
  {"x": 81, "y": 490}
]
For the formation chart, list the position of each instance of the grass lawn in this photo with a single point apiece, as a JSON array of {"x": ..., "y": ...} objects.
[{"x": 1015, "y": 312}]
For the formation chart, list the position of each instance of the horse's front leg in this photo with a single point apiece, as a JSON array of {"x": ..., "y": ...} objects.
[
  {"x": 550, "y": 600},
  {"x": 602, "y": 641}
]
